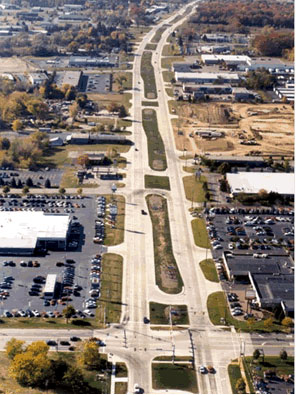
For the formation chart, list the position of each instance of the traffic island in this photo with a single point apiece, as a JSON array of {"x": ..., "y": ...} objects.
[
  {"x": 178, "y": 376},
  {"x": 147, "y": 74},
  {"x": 157, "y": 182},
  {"x": 167, "y": 274},
  {"x": 163, "y": 314},
  {"x": 156, "y": 149}
]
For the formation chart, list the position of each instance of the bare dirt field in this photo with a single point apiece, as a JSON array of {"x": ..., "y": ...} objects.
[
  {"x": 16, "y": 65},
  {"x": 268, "y": 126}
]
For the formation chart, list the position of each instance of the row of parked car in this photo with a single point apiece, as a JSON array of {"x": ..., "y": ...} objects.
[
  {"x": 99, "y": 223},
  {"x": 250, "y": 210}
]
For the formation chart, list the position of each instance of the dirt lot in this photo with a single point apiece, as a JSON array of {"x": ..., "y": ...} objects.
[
  {"x": 16, "y": 65},
  {"x": 270, "y": 126}
]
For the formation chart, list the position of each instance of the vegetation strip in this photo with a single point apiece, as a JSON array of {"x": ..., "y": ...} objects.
[
  {"x": 147, "y": 74},
  {"x": 150, "y": 104},
  {"x": 174, "y": 376},
  {"x": 209, "y": 270},
  {"x": 195, "y": 188},
  {"x": 109, "y": 304},
  {"x": 168, "y": 277},
  {"x": 200, "y": 233},
  {"x": 160, "y": 314},
  {"x": 115, "y": 236},
  {"x": 156, "y": 149},
  {"x": 157, "y": 182},
  {"x": 234, "y": 375},
  {"x": 157, "y": 36}
]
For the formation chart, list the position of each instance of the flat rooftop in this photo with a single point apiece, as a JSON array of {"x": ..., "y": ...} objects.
[
  {"x": 22, "y": 229},
  {"x": 253, "y": 182}
]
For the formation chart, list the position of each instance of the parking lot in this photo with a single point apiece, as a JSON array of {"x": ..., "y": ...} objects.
[
  {"x": 77, "y": 267},
  {"x": 38, "y": 177},
  {"x": 96, "y": 83},
  {"x": 259, "y": 229}
]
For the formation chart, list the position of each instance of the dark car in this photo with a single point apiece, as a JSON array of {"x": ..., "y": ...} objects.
[
  {"x": 143, "y": 212},
  {"x": 146, "y": 320},
  {"x": 75, "y": 339}
]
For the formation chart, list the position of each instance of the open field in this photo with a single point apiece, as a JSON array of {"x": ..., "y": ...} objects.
[
  {"x": 122, "y": 80},
  {"x": 156, "y": 149},
  {"x": 104, "y": 99},
  {"x": 266, "y": 123},
  {"x": 157, "y": 182},
  {"x": 147, "y": 74},
  {"x": 174, "y": 377},
  {"x": 109, "y": 304},
  {"x": 15, "y": 64},
  {"x": 167, "y": 61},
  {"x": 167, "y": 274},
  {"x": 160, "y": 314}
]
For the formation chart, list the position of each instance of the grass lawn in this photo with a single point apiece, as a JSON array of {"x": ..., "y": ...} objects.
[
  {"x": 111, "y": 289},
  {"x": 167, "y": 76},
  {"x": 217, "y": 308},
  {"x": 157, "y": 182},
  {"x": 274, "y": 363},
  {"x": 234, "y": 374},
  {"x": 194, "y": 188},
  {"x": 156, "y": 149},
  {"x": 168, "y": 358},
  {"x": 70, "y": 180},
  {"x": 170, "y": 50},
  {"x": 121, "y": 388},
  {"x": 158, "y": 34},
  {"x": 126, "y": 78},
  {"x": 209, "y": 270},
  {"x": 166, "y": 63},
  {"x": 175, "y": 377},
  {"x": 150, "y": 103},
  {"x": 200, "y": 233},
  {"x": 147, "y": 73},
  {"x": 151, "y": 47},
  {"x": 168, "y": 277},
  {"x": 160, "y": 314},
  {"x": 169, "y": 92},
  {"x": 121, "y": 369},
  {"x": 115, "y": 236}
]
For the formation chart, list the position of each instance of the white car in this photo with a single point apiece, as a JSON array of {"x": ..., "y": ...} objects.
[
  {"x": 36, "y": 313},
  {"x": 22, "y": 313},
  {"x": 202, "y": 369},
  {"x": 217, "y": 247},
  {"x": 230, "y": 246}
]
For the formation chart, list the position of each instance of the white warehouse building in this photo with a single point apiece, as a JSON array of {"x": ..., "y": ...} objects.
[
  {"x": 253, "y": 182},
  {"x": 22, "y": 232}
]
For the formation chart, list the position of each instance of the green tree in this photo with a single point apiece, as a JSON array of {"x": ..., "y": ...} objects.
[
  {"x": 68, "y": 312},
  {"x": 47, "y": 183},
  {"x": 90, "y": 357},
  {"x": 17, "y": 125},
  {"x": 5, "y": 189},
  {"x": 287, "y": 321},
  {"x": 283, "y": 355},
  {"x": 240, "y": 385},
  {"x": 29, "y": 182},
  {"x": 14, "y": 347},
  {"x": 73, "y": 379},
  {"x": 224, "y": 168},
  {"x": 25, "y": 190},
  {"x": 122, "y": 112},
  {"x": 256, "y": 354},
  {"x": 62, "y": 191},
  {"x": 79, "y": 191}
]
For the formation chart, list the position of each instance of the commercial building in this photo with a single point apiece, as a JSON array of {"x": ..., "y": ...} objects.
[
  {"x": 242, "y": 94},
  {"x": 270, "y": 275},
  {"x": 86, "y": 61},
  {"x": 95, "y": 138},
  {"x": 228, "y": 59},
  {"x": 37, "y": 79},
  {"x": 252, "y": 161},
  {"x": 253, "y": 182},
  {"x": 71, "y": 78},
  {"x": 24, "y": 232},
  {"x": 210, "y": 78}
]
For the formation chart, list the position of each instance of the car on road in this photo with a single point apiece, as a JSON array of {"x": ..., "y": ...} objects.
[
  {"x": 75, "y": 339},
  {"x": 202, "y": 369},
  {"x": 51, "y": 343},
  {"x": 211, "y": 369},
  {"x": 64, "y": 343},
  {"x": 143, "y": 212},
  {"x": 146, "y": 320}
]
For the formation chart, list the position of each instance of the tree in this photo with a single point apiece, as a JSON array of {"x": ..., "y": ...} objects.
[
  {"x": 287, "y": 321},
  {"x": 19, "y": 183},
  {"x": 112, "y": 107},
  {"x": 224, "y": 168},
  {"x": 240, "y": 385},
  {"x": 122, "y": 112},
  {"x": 17, "y": 125},
  {"x": 5, "y": 143},
  {"x": 73, "y": 110},
  {"x": 13, "y": 183},
  {"x": 283, "y": 355},
  {"x": 62, "y": 191},
  {"x": 31, "y": 369},
  {"x": 83, "y": 160},
  {"x": 29, "y": 182},
  {"x": 68, "y": 312},
  {"x": 90, "y": 357},
  {"x": 6, "y": 189},
  {"x": 268, "y": 323},
  {"x": 25, "y": 190},
  {"x": 14, "y": 347},
  {"x": 74, "y": 380},
  {"x": 38, "y": 347},
  {"x": 79, "y": 191},
  {"x": 207, "y": 195},
  {"x": 256, "y": 354},
  {"x": 47, "y": 183}
]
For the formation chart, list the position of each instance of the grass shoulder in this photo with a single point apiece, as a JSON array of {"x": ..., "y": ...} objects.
[
  {"x": 200, "y": 233},
  {"x": 115, "y": 236},
  {"x": 209, "y": 270},
  {"x": 194, "y": 188},
  {"x": 234, "y": 374},
  {"x": 168, "y": 376}
]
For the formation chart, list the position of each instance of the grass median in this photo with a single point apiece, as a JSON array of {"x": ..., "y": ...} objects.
[
  {"x": 200, "y": 233},
  {"x": 109, "y": 304},
  {"x": 158, "y": 182},
  {"x": 209, "y": 270},
  {"x": 151, "y": 47},
  {"x": 156, "y": 149},
  {"x": 167, "y": 274},
  {"x": 147, "y": 74},
  {"x": 150, "y": 104},
  {"x": 157, "y": 36},
  {"x": 160, "y": 314},
  {"x": 167, "y": 376},
  {"x": 234, "y": 375}
]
